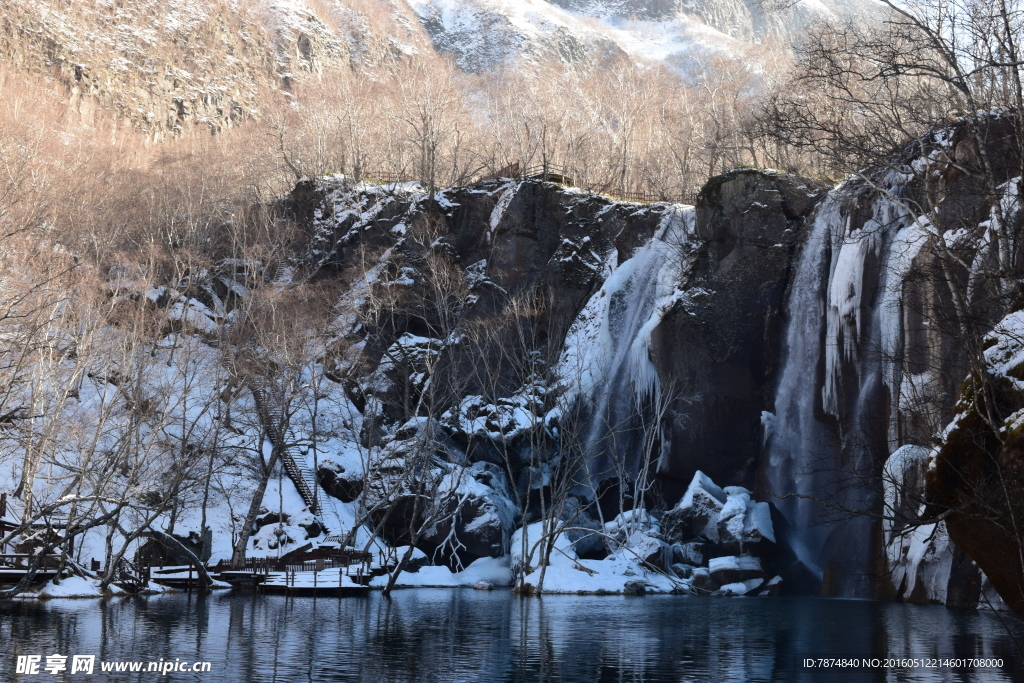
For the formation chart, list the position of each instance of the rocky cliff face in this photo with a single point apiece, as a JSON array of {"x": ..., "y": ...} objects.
[
  {"x": 163, "y": 66},
  {"x": 658, "y": 337},
  {"x": 778, "y": 336},
  {"x": 721, "y": 344},
  {"x": 715, "y": 341},
  {"x": 876, "y": 353}
]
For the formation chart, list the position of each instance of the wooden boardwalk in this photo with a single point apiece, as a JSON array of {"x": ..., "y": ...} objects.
[
  {"x": 323, "y": 571},
  {"x": 329, "y": 582}
]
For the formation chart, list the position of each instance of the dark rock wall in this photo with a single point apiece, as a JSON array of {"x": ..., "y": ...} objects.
[{"x": 721, "y": 345}]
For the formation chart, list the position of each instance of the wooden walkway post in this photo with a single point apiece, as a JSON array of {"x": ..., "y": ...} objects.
[{"x": 3, "y": 513}]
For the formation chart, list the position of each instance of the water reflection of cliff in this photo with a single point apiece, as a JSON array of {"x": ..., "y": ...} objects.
[{"x": 461, "y": 635}]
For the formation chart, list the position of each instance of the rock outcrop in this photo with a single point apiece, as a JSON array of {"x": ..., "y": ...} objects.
[
  {"x": 975, "y": 475},
  {"x": 721, "y": 344},
  {"x": 924, "y": 565},
  {"x": 718, "y": 538}
]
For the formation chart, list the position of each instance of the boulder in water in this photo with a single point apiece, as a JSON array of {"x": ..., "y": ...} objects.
[{"x": 733, "y": 569}]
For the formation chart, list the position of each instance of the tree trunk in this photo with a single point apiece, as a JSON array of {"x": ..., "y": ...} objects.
[
  {"x": 238, "y": 555},
  {"x": 200, "y": 567},
  {"x": 393, "y": 578}
]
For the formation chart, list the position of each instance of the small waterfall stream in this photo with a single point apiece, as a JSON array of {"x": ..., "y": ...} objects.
[{"x": 797, "y": 435}]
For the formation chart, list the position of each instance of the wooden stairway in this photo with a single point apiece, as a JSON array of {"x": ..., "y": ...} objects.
[{"x": 294, "y": 461}]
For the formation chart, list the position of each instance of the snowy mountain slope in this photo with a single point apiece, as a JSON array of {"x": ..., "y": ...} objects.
[
  {"x": 481, "y": 34},
  {"x": 161, "y": 64}
]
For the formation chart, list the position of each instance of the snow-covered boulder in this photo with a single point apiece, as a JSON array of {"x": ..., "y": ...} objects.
[
  {"x": 646, "y": 548},
  {"x": 493, "y": 571},
  {"x": 486, "y": 514},
  {"x": 701, "y": 581},
  {"x": 742, "y": 520},
  {"x": 344, "y": 483},
  {"x": 711, "y": 520},
  {"x": 697, "y": 512},
  {"x": 733, "y": 569},
  {"x": 634, "y": 533},
  {"x": 71, "y": 587},
  {"x": 630, "y": 521}
]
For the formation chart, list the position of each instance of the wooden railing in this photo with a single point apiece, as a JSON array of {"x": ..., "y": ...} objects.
[
  {"x": 388, "y": 177},
  {"x": 264, "y": 565},
  {"x": 314, "y": 567},
  {"x": 132, "y": 577},
  {"x": 25, "y": 560}
]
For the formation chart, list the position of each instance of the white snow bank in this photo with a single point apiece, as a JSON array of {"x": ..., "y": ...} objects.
[
  {"x": 609, "y": 575},
  {"x": 71, "y": 587},
  {"x": 561, "y": 552},
  {"x": 493, "y": 570}
]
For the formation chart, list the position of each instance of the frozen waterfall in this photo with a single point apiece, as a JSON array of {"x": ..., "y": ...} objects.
[{"x": 606, "y": 366}]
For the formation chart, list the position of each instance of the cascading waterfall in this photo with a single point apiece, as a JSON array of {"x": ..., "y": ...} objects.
[
  {"x": 830, "y": 430},
  {"x": 796, "y": 433},
  {"x": 606, "y": 362}
]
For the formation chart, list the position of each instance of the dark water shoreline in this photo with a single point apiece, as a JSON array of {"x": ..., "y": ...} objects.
[{"x": 464, "y": 635}]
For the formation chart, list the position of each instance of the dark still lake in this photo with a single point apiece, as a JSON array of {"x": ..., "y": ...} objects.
[{"x": 466, "y": 635}]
